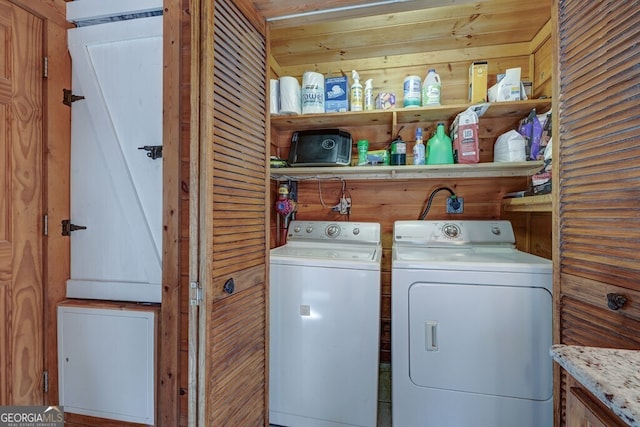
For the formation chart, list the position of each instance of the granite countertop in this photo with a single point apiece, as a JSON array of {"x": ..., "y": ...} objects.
[{"x": 612, "y": 375}]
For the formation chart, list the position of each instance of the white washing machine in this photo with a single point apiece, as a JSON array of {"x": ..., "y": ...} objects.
[
  {"x": 471, "y": 327},
  {"x": 324, "y": 292}
]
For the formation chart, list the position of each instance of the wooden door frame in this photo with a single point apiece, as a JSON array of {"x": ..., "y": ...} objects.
[
  {"x": 169, "y": 373},
  {"x": 56, "y": 138}
]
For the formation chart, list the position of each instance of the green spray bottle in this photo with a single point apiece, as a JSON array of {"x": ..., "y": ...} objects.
[{"x": 439, "y": 148}]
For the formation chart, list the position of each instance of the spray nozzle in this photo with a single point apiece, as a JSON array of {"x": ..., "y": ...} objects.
[{"x": 356, "y": 77}]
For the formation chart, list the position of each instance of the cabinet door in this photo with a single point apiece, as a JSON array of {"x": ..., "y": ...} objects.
[
  {"x": 584, "y": 411},
  {"x": 116, "y": 189}
]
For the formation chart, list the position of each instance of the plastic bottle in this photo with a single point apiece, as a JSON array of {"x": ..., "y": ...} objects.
[
  {"x": 368, "y": 95},
  {"x": 398, "y": 152},
  {"x": 363, "y": 149},
  {"x": 419, "y": 149},
  {"x": 439, "y": 148},
  {"x": 411, "y": 88},
  {"x": 356, "y": 99},
  {"x": 431, "y": 88}
]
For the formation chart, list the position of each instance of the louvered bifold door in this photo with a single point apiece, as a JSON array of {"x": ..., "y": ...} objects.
[
  {"x": 598, "y": 176},
  {"x": 233, "y": 215},
  {"x": 600, "y": 140}
]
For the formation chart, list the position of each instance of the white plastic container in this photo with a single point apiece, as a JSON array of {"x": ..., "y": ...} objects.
[
  {"x": 411, "y": 88},
  {"x": 431, "y": 89}
]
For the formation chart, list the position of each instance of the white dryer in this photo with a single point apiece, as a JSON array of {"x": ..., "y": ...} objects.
[
  {"x": 471, "y": 327},
  {"x": 324, "y": 292}
]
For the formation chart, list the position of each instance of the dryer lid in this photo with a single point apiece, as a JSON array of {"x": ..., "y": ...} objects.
[{"x": 470, "y": 258}]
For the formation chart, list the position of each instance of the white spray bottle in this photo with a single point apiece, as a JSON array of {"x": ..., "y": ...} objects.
[
  {"x": 356, "y": 101},
  {"x": 368, "y": 95}
]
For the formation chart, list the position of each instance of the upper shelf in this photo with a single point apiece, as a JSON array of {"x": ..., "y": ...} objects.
[{"x": 404, "y": 115}]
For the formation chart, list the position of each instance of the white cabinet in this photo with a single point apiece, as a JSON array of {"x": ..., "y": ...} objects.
[{"x": 106, "y": 362}]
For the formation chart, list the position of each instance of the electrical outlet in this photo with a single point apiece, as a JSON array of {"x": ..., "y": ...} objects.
[
  {"x": 455, "y": 204},
  {"x": 343, "y": 207}
]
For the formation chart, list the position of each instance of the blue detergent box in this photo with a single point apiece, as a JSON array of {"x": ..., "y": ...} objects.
[{"x": 336, "y": 94}]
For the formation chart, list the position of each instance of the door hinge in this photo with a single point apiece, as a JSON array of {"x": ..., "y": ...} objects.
[
  {"x": 67, "y": 227},
  {"x": 68, "y": 97},
  {"x": 195, "y": 293},
  {"x": 45, "y": 67},
  {"x": 45, "y": 381},
  {"x": 153, "y": 151},
  {"x": 45, "y": 225}
]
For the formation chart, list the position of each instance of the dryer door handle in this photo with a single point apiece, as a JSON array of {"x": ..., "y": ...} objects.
[{"x": 431, "y": 335}]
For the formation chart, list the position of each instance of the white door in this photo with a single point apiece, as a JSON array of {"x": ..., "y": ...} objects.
[{"x": 116, "y": 189}]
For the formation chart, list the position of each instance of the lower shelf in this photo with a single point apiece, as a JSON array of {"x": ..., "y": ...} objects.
[
  {"x": 479, "y": 170},
  {"x": 541, "y": 203}
]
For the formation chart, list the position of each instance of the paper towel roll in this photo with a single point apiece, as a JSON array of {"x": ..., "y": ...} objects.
[
  {"x": 274, "y": 96},
  {"x": 290, "y": 95},
  {"x": 312, "y": 93}
]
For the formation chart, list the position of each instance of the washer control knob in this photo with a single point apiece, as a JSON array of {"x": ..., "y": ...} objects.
[
  {"x": 309, "y": 229},
  {"x": 356, "y": 231},
  {"x": 496, "y": 230},
  {"x": 296, "y": 229},
  {"x": 332, "y": 230}
]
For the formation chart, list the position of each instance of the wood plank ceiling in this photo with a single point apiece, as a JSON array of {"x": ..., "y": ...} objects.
[{"x": 306, "y": 35}]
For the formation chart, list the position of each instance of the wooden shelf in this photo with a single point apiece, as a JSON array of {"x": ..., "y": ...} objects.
[
  {"x": 541, "y": 203},
  {"x": 404, "y": 115},
  {"x": 480, "y": 170}
]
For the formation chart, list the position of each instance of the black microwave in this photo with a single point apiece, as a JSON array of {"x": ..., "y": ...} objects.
[{"x": 322, "y": 147}]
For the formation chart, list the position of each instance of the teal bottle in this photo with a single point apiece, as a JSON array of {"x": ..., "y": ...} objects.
[{"x": 439, "y": 148}]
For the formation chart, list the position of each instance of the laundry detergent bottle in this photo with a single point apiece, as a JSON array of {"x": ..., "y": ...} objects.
[
  {"x": 431, "y": 89},
  {"x": 439, "y": 148}
]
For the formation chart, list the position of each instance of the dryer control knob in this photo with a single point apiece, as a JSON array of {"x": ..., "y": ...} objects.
[
  {"x": 296, "y": 229},
  {"x": 332, "y": 230},
  {"x": 356, "y": 231},
  {"x": 451, "y": 231},
  {"x": 309, "y": 229},
  {"x": 496, "y": 231}
]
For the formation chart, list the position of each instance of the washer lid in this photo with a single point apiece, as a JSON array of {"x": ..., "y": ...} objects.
[{"x": 327, "y": 254}]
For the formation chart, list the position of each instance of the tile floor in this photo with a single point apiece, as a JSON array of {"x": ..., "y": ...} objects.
[{"x": 384, "y": 396}]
